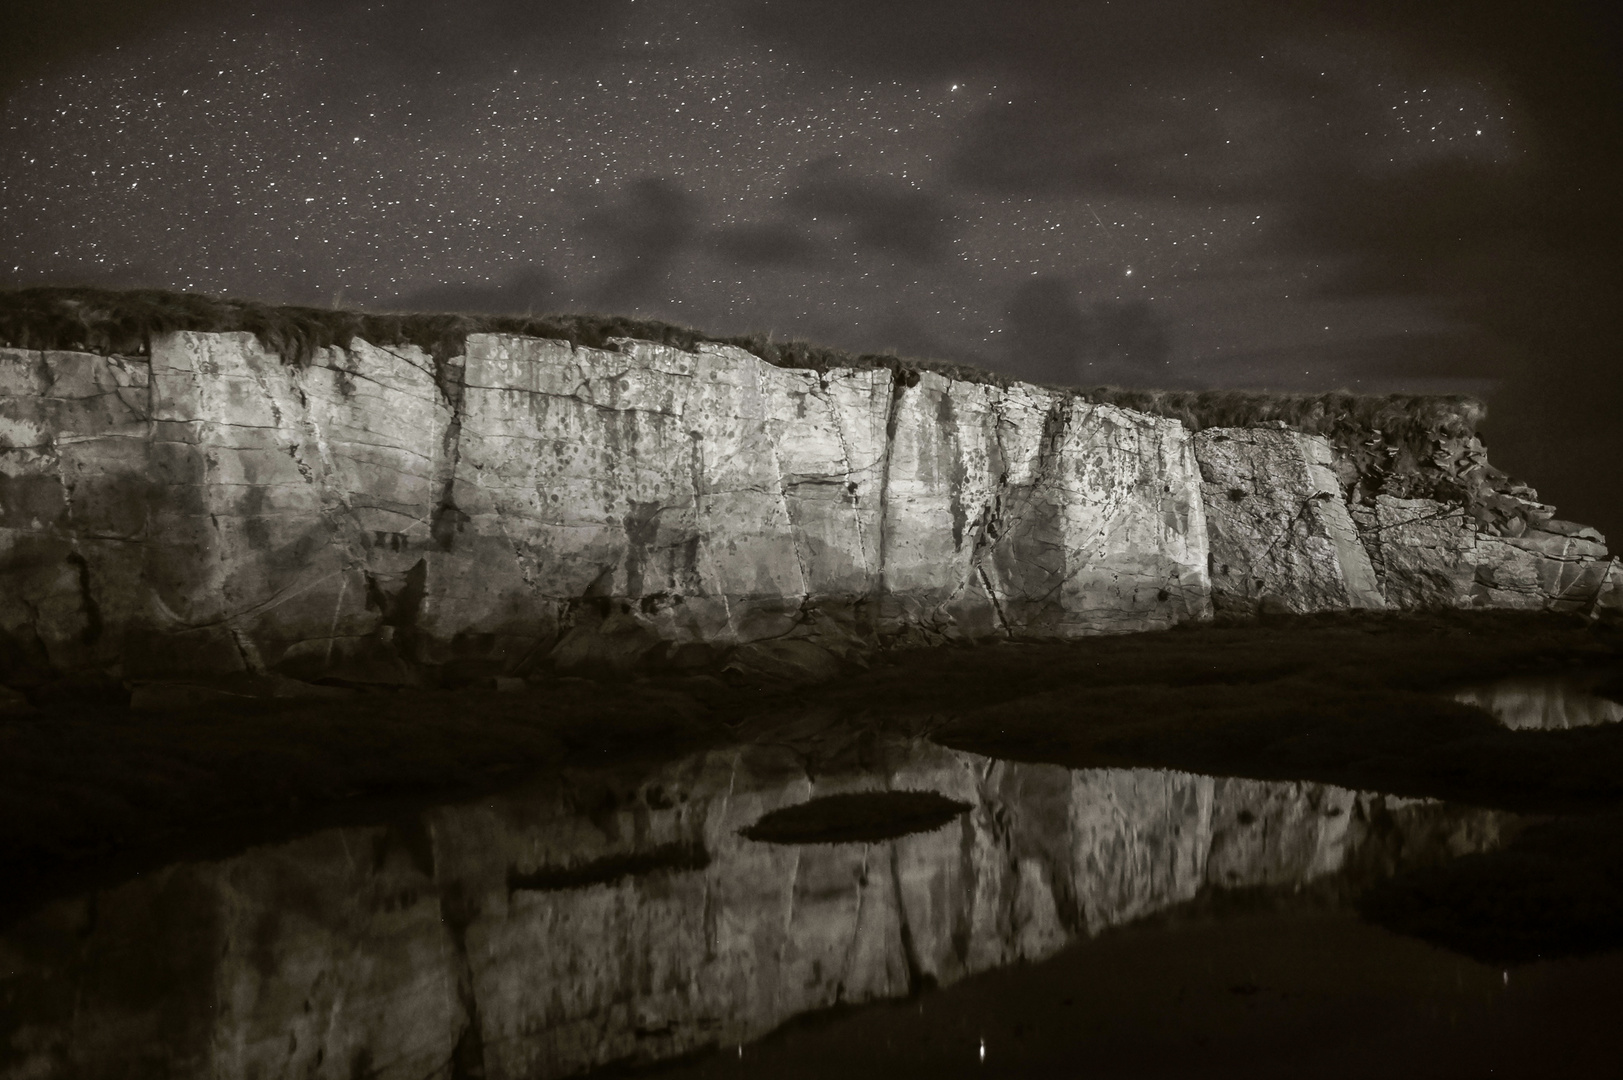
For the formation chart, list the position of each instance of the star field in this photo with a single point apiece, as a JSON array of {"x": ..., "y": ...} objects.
[
  {"x": 688, "y": 169},
  {"x": 1161, "y": 195}
]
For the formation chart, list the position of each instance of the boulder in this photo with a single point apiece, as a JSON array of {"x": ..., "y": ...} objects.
[{"x": 1424, "y": 551}]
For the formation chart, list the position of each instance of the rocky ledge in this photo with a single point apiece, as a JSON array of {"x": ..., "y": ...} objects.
[{"x": 392, "y": 515}]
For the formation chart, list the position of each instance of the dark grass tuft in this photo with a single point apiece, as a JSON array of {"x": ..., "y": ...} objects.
[{"x": 1398, "y": 416}]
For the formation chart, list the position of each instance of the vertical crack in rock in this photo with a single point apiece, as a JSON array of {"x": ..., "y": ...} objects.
[
  {"x": 917, "y": 980},
  {"x": 947, "y": 417},
  {"x": 991, "y": 527},
  {"x": 856, "y": 927},
  {"x": 446, "y": 520},
  {"x": 87, "y": 596},
  {"x": 337, "y": 613},
  {"x": 850, "y": 475},
  {"x": 997, "y": 602},
  {"x": 700, "y": 528},
  {"x": 1048, "y": 481},
  {"x": 897, "y": 385},
  {"x": 795, "y": 531}
]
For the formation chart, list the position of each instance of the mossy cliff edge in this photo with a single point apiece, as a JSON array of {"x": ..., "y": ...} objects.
[{"x": 190, "y": 486}]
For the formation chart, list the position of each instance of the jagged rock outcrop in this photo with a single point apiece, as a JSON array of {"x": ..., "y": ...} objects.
[
  {"x": 1278, "y": 526},
  {"x": 1287, "y": 531},
  {"x": 390, "y": 515},
  {"x": 1431, "y": 555},
  {"x": 625, "y": 918}
]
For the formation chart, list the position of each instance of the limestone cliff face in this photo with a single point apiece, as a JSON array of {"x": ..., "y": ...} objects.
[
  {"x": 377, "y": 514},
  {"x": 215, "y": 509},
  {"x": 624, "y": 918}
]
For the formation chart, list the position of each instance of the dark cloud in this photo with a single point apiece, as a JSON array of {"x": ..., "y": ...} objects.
[
  {"x": 1060, "y": 143},
  {"x": 642, "y": 233},
  {"x": 883, "y": 215},
  {"x": 770, "y": 243},
  {"x": 1054, "y": 338},
  {"x": 1091, "y": 42},
  {"x": 416, "y": 39},
  {"x": 37, "y": 36}
]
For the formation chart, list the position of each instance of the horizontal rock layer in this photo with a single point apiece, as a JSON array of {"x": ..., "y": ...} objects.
[
  {"x": 625, "y": 918},
  {"x": 377, "y": 514}
]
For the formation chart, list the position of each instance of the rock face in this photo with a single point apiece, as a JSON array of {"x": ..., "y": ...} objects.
[
  {"x": 624, "y": 918},
  {"x": 214, "y": 509},
  {"x": 1278, "y": 525},
  {"x": 380, "y": 516},
  {"x": 1431, "y": 554}
]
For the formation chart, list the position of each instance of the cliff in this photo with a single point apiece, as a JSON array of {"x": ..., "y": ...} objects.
[
  {"x": 626, "y": 918},
  {"x": 460, "y": 500}
]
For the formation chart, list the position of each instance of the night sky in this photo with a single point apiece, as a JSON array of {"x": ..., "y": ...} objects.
[{"x": 1377, "y": 196}]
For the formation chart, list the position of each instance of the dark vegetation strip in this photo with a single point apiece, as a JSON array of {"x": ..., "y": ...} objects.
[
  {"x": 114, "y": 322},
  {"x": 860, "y": 818},
  {"x": 606, "y": 871}
]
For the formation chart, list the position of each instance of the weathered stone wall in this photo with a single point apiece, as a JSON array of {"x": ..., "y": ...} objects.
[
  {"x": 373, "y": 513},
  {"x": 380, "y": 516},
  {"x": 1288, "y": 533},
  {"x": 1279, "y": 528},
  {"x": 1436, "y": 555},
  {"x": 457, "y": 943}
]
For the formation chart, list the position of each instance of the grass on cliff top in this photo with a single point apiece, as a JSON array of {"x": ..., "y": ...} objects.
[{"x": 124, "y": 322}]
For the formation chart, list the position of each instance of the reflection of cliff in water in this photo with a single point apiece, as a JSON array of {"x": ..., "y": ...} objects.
[
  {"x": 1542, "y": 703},
  {"x": 542, "y": 933}
]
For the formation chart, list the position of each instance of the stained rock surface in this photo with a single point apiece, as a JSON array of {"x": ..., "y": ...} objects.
[
  {"x": 215, "y": 509},
  {"x": 1278, "y": 525},
  {"x": 384, "y": 516},
  {"x": 626, "y": 918}
]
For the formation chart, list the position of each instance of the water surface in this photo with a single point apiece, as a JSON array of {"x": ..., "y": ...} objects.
[{"x": 624, "y": 917}]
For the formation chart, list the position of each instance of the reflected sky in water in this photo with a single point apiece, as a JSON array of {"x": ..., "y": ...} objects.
[{"x": 622, "y": 917}]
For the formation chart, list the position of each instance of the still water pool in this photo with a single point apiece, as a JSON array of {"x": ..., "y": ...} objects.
[{"x": 998, "y": 919}]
